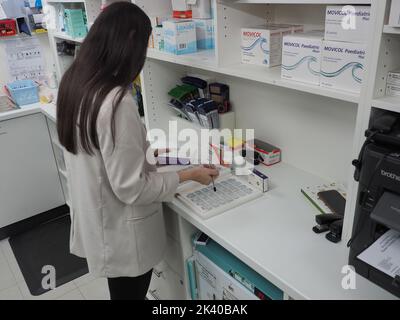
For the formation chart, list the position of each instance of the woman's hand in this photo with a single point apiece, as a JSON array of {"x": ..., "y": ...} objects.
[{"x": 203, "y": 175}]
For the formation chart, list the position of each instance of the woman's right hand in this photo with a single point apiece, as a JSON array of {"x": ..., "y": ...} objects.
[{"x": 203, "y": 175}]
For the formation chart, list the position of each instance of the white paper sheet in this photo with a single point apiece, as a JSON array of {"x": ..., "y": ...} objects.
[
  {"x": 384, "y": 253},
  {"x": 25, "y": 59}
]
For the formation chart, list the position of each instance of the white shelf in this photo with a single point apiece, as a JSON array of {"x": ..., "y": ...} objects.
[
  {"x": 387, "y": 103},
  {"x": 206, "y": 61},
  {"x": 305, "y": 1},
  {"x": 273, "y": 76},
  {"x": 391, "y": 30},
  {"x": 64, "y": 36}
]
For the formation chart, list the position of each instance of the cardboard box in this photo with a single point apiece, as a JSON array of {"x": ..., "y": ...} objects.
[
  {"x": 180, "y": 36},
  {"x": 158, "y": 36},
  {"x": 394, "y": 77},
  {"x": 393, "y": 90},
  {"x": 262, "y": 45},
  {"x": 394, "y": 18},
  {"x": 347, "y": 23},
  {"x": 258, "y": 180},
  {"x": 343, "y": 65},
  {"x": 205, "y": 33},
  {"x": 301, "y": 57}
]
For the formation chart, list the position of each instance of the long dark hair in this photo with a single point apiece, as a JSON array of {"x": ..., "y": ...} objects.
[{"x": 111, "y": 56}]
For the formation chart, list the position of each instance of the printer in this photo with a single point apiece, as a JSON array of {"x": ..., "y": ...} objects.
[{"x": 378, "y": 200}]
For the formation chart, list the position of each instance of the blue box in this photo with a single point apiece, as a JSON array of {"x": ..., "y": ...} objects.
[{"x": 23, "y": 92}]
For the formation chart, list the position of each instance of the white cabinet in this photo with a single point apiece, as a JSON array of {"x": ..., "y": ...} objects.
[
  {"x": 29, "y": 182},
  {"x": 60, "y": 159}
]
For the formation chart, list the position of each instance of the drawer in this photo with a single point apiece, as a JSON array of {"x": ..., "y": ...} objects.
[
  {"x": 59, "y": 155},
  {"x": 53, "y": 130},
  {"x": 64, "y": 185},
  {"x": 165, "y": 284},
  {"x": 171, "y": 223},
  {"x": 173, "y": 256}
]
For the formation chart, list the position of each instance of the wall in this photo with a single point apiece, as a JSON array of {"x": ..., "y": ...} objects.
[{"x": 47, "y": 56}]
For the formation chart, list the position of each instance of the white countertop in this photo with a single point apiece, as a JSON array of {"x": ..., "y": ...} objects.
[
  {"x": 274, "y": 236},
  {"x": 48, "y": 110}
]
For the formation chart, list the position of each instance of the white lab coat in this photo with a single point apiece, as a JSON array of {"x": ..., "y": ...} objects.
[{"x": 117, "y": 221}]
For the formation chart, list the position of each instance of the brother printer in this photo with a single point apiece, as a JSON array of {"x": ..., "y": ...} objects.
[{"x": 378, "y": 201}]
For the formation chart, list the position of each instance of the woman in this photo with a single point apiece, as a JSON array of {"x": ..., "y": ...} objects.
[{"x": 117, "y": 222}]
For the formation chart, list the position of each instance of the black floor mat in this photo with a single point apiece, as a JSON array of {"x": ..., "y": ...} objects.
[{"x": 47, "y": 245}]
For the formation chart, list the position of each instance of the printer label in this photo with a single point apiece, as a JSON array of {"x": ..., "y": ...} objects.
[{"x": 390, "y": 175}]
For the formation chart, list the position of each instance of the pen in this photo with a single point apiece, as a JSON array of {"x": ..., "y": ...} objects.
[{"x": 215, "y": 189}]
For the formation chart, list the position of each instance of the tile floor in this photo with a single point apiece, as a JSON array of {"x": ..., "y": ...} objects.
[{"x": 13, "y": 286}]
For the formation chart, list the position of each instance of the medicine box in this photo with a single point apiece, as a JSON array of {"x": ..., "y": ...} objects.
[
  {"x": 262, "y": 45},
  {"x": 394, "y": 77},
  {"x": 301, "y": 57},
  {"x": 394, "y": 18},
  {"x": 347, "y": 23},
  {"x": 205, "y": 33},
  {"x": 258, "y": 180},
  {"x": 343, "y": 65},
  {"x": 392, "y": 90},
  {"x": 158, "y": 36},
  {"x": 270, "y": 153},
  {"x": 180, "y": 36}
]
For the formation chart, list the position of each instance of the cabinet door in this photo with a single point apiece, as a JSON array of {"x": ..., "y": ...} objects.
[{"x": 29, "y": 181}]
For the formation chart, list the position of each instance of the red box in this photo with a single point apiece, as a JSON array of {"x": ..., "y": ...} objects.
[{"x": 8, "y": 27}]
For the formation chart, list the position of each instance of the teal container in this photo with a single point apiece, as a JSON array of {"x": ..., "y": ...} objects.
[
  {"x": 240, "y": 271},
  {"x": 75, "y": 23}
]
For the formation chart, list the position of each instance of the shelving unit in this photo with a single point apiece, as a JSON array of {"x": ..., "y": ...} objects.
[
  {"x": 391, "y": 30},
  {"x": 319, "y": 130},
  {"x": 384, "y": 57}
]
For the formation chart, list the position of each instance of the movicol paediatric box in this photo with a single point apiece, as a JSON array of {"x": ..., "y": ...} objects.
[
  {"x": 262, "y": 45},
  {"x": 205, "y": 33},
  {"x": 343, "y": 65},
  {"x": 301, "y": 57},
  {"x": 347, "y": 23},
  {"x": 180, "y": 36}
]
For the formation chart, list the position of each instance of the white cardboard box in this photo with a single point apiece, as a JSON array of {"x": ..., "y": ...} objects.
[
  {"x": 262, "y": 45},
  {"x": 394, "y": 77},
  {"x": 392, "y": 90},
  {"x": 347, "y": 23},
  {"x": 394, "y": 18},
  {"x": 343, "y": 65},
  {"x": 301, "y": 57},
  {"x": 180, "y": 36}
]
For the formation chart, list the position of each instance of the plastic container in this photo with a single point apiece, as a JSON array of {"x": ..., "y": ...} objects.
[{"x": 23, "y": 92}]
